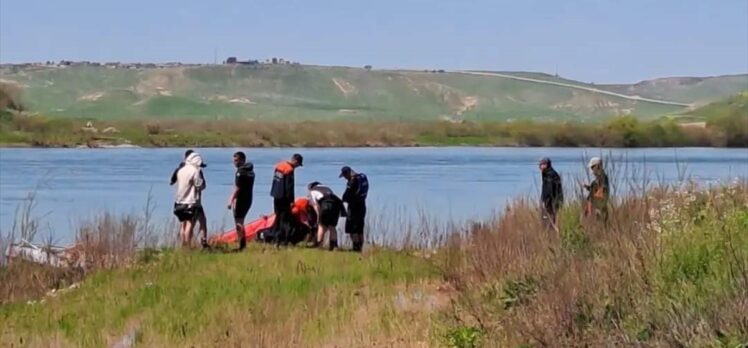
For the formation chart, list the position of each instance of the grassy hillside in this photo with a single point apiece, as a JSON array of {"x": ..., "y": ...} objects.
[
  {"x": 291, "y": 92},
  {"x": 735, "y": 106},
  {"x": 697, "y": 90},
  {"x": 730, "y": 115}
]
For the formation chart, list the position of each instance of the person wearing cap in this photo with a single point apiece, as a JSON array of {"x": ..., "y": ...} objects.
[
  {"x": 552, "y": 193},
  {"x": 240, "y": 199},
  {"x": 282, "y": 191},
  {"x": 188, "y": 208},
  {"x": 599, "y": 190},
  {"x": 356, "y": 191},
  {"x": 328, "y": 207}
]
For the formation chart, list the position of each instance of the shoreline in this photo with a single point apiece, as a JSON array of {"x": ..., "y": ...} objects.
[
  {"x": 20, "y": 130},
  {"x": 396, "y": 146}
]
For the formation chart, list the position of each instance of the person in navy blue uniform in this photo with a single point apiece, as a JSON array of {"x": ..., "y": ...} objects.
[{"x": 357, "y": 189}]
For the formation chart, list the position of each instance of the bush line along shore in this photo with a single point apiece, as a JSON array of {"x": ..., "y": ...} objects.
[{"x": 19, "y": 130}]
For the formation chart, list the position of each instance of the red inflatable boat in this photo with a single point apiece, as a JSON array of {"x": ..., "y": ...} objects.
[
  {"x": 250, "y": 231},
  {"x": 299, "y": 210}
]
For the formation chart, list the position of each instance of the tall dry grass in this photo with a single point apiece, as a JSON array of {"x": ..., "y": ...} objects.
[
  {"x": 670, "y": 268},
  {"x": 104, "y": 242}
]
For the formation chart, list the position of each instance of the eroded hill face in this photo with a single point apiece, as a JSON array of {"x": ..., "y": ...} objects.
[{"x": 292, "y": 92}]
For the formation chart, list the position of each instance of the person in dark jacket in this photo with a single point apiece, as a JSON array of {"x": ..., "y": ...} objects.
[
  {"x": 282, "y": 192},
  {"x": 328, "y": 208},
  {"x": 240, "y": 200},
  {"x": 356, "y": 191},
  {"x": 551, "y": 195},
  {"x": 599, "y": 191}
]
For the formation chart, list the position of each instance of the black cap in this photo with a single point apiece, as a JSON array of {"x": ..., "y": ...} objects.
[
  {"x": 545, "y": 160},
  {"x": 299, "y": 159},
  {"x": 345, "y": 171}
]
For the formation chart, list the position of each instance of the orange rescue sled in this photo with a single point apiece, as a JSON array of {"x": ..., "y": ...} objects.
[{"x": 250, "y": 231}]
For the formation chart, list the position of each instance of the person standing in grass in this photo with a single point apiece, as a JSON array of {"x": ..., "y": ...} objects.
[
  {"x": 356, "y": 191},
  {"x": 188, "y": 203},
  {"x": 599, "y": 191},
  {"x": 552, "y": 194},
  {"x": 328, "y": 208},
  {"x": 240, "y": 200},
  {"x": 282, "y": 191}
]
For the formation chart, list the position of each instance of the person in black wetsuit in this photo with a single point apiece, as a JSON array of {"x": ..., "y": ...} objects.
[
  {"x": 552, "y": 194},
  {"x": 240, "y": 199},
  {"x": 357, "y": 189}
]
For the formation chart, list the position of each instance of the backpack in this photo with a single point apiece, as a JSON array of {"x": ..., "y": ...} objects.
[{"x": 363, "y": 185}]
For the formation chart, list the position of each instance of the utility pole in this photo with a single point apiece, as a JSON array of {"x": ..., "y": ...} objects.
[{"x": 215, "y": 56}]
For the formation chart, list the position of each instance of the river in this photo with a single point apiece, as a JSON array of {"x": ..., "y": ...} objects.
[{"x": 443, "y": 184}]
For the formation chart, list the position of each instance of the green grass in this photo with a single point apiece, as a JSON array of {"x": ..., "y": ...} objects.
[
  {"x": 733, "y": 106},
  {"x": 292, "y": 93},
  {"x": 669, "y": 268},
  {"x": 282, "y": 296},
  {"x": 21, "y": 129},
  {"x": 687, "y": 90}
]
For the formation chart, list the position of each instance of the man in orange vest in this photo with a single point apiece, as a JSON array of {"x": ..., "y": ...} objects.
[
  {"x": 599, "y": 191},
  {"x": 283, "y": 195}
]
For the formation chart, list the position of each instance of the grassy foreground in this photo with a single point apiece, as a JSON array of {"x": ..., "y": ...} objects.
[
  {"x": 263, "y": 297},
  {"x": 669, "y": 269}
]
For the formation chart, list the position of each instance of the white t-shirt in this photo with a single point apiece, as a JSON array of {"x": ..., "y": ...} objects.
[{"x": 315, "y": 196}]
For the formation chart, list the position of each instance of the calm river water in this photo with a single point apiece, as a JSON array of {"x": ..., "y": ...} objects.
[{"x": 445, "y": 184}]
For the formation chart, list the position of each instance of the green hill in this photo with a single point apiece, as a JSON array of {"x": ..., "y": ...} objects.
[
  {"x": 735, "y": 106},
  {"x": 698, "y": 90},
  {"x": 295, "y": 92}
]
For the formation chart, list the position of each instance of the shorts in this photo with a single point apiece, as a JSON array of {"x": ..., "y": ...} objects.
[
  {"x": 329, "y": 217},
  {"x": 329, "y": 214},
  {"x": 187, "y": 212},
  {"x": 241, "y": 209}
]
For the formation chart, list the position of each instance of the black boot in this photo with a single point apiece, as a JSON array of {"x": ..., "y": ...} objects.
[
  {"x": 242, "y": 244},
  {"x": 333, "y": 245}
]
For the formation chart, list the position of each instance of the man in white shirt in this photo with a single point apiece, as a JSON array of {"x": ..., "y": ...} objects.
[
  {"x": 187, "y": 204},
  {"x": 329, "y": 208}
]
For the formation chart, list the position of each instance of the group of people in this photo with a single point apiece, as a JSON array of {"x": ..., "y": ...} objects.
[
  {"x": 552, "y": 193},
  {"x": 296, "y": 219}
]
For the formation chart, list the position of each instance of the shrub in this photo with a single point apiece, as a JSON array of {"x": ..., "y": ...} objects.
[{"x": 463, "y": 337}]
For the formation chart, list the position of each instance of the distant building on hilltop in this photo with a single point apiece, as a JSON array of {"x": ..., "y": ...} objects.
[{"x": 234, "y": 60}]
